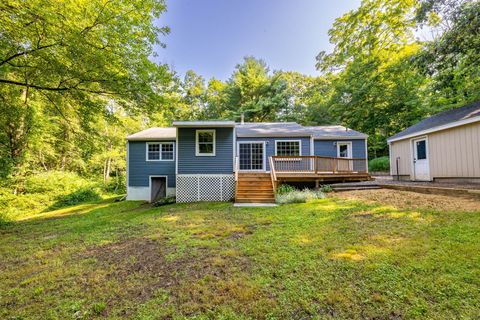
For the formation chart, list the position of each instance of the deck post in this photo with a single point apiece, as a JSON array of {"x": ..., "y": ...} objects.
[{"x": 317, "y": 184}]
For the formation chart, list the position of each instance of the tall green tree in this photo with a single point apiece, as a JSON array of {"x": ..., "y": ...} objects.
[
  {"x": 254, "y": 91},
  {"x": 377, "y": 89},
  {"x": 63, "y": 62}
]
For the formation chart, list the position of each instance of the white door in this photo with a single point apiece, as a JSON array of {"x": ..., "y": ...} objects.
[
  {"x": 251, "y": 156},
  {"x": 421, "y": 167},
  {"x": 344, "y": 153}
]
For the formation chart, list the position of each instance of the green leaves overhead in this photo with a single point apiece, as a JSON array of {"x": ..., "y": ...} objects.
[{"x": 82, "y": 47}]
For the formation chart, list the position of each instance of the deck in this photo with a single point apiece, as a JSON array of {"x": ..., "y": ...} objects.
[{"x": 318, "y": 169}]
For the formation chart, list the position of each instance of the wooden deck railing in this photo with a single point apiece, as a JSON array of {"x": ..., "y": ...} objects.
[{"x": 316, "y": 165}]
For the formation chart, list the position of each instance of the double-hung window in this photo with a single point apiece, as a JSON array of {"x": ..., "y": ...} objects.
[
  {"x": 205, "y": 143},
  {"x": 160, "y": 151},
  {"x": 287, "y": 148}
]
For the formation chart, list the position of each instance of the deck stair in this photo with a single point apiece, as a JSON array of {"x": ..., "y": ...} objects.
[
  {"x": 254, "y": 188},
  {"x": 354, "y": 186}
]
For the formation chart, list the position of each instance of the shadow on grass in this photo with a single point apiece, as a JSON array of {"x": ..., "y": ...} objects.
[{"x": 77, "y": 197}]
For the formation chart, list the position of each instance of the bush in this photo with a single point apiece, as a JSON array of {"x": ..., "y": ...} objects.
[
  {"x": 46, "y": 190},
  {"x": 285, "y": 188},
  {"x": 326, "y": 188},
  {"x": 297, "y": 196},
  {"x": 379, "y": 164},
  {"x": 79, "y": 196}
]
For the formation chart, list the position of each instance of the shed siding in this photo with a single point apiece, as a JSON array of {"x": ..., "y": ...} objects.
[
  {"x": 189, "y": 163},
  {"x": 326, "y": 148},
  {"x": 270, "y": 145},
  {"x": 400, "y": 149},
  {"x": 139, "y": 169},
  {"x": 455, "y": 152}
]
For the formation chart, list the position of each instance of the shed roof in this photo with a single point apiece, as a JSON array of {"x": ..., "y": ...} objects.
[
  {"x": 442, "y": 120},
  {"x": 154, "y": 134}
]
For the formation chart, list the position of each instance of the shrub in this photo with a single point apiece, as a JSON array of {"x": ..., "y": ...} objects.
[
  {"x": 379, "y": 164},
  {"x": 79, "y": 196},
  {"x": 46, "y": 190},
  {"x": 297, "y": 196},
  {"x": 326, "y": 188},
  {"x": 285, "y": 188}
]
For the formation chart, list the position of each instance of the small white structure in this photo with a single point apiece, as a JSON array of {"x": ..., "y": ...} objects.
[{"x": 443, "y": 148}]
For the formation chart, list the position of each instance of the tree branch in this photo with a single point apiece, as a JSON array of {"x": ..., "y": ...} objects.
[{"x": 26, "y": 52}]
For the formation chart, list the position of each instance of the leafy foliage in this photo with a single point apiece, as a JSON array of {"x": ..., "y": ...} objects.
[
  {"x": 298, "y": 196},
  {"x": 379, "y": 164}
]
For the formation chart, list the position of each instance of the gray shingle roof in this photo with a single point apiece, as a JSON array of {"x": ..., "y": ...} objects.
[
  {"x": 442, "y": 118},
  {"x": 261, "y": 129},
  {"x": 324, "y": 132},
  {"x": 271, "y": 129},
  {"x": 154, "y": 134}
]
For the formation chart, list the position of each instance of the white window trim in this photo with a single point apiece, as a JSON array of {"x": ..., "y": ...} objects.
[
  {"x": 299, "y": 145},
  {"x": 197, "y": 151},
  {"x": 264, "y": 164},
  {"x": 349, "y": 149},
  {"x": 160, "y": 150}
]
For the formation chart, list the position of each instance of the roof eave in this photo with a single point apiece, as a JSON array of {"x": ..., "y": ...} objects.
[{"x": 435, "y": 129}]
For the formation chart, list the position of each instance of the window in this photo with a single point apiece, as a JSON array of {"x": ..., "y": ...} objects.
[
  {"x": 344, "y": 149},
  {"x": 157, "y": 151},
  {"x": 205, "y": 143},
  {"x": 288, "y": 148},
  {"x": 421, "y": 150},
  {"x": 167, "y": 151}
]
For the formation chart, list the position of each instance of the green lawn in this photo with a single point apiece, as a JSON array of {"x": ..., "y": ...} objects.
[{"x": 331, "y": 258}]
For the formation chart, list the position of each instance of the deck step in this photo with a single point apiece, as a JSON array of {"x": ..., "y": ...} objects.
[{"x": 255, "y": 200}]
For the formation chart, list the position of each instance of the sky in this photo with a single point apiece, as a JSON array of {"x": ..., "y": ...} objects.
[{"x": 212, "y": 36}]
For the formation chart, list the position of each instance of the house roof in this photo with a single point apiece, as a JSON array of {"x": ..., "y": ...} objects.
[
  {"x": 254, "y": 129},
  {"x": 154, "y": 134},
  {"x": 328, "y": 132},
  {"x": 443, "y": 120},
  {"x": 204, "y": 124},
  {"x": 271, "y": 129}
]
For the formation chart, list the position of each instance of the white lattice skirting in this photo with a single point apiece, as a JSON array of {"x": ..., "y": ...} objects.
[{"x": 205, "y": 187}]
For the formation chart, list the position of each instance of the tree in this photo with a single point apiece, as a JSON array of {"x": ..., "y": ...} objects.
[
  {"x": 252, "y": 90},
  {"x": 377, "y": 89},
  {"x": 61, "y": 64},
  {"x": 451, "y": 60}
]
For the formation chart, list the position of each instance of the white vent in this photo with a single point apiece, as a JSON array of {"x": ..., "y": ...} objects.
[{"x": 208, "y": 187}]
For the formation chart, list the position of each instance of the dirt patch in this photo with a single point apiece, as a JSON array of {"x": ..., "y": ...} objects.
[
  {"x": 144, "y": 266},
  {"x": 411, "y": 200}
]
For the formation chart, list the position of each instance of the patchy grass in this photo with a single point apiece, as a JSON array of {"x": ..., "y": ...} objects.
[{"x": 330, "y": 258}]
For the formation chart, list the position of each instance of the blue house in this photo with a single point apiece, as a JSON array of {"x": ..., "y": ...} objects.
[{"x": 224, "y": 160}]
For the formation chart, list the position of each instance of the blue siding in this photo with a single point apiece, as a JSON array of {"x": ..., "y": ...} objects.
[
  {"x": 221, "y": 163},
  {"x": 326, "y": 148},
  {"x": 139, "y": 169},
  {"x": 270, "y": 145}
]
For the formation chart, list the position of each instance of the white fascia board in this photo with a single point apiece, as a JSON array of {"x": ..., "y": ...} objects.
[
  {"x": 152, "y": 139},
  {"x": 435, "y": 129}
]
